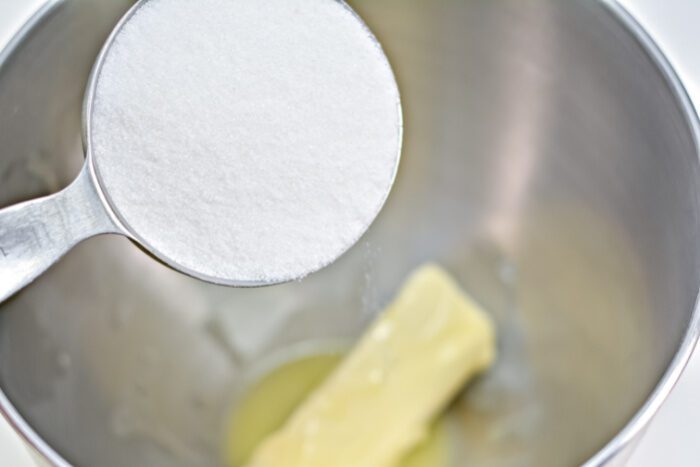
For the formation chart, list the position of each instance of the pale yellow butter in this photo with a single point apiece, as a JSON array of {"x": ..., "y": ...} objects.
[{"x": 379, "y": 402}]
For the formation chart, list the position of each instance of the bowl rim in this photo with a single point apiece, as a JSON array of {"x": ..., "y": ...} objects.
[{"x": 633, "y": 429}]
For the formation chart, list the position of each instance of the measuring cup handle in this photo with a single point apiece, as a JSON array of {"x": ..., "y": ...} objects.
[{"x": 35, "y": 234}]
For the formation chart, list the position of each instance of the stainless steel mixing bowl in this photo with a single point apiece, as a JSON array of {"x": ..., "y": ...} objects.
[{"x": 551, "y": 164}]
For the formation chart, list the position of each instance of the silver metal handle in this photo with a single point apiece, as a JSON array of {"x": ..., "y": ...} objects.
[{"x": 37, "y": 233}]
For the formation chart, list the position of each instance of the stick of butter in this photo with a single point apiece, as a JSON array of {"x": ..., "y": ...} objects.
[{"x": 378, "y": 404}]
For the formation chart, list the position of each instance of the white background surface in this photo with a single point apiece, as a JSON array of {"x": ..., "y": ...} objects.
[{"x": 673, "y": 439}]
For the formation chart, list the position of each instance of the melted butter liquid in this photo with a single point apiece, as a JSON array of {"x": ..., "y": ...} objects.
[{"x": 273, "y": 398}]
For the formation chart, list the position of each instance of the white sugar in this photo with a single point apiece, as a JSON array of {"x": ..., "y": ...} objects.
[{"x": 245, "y": 140}]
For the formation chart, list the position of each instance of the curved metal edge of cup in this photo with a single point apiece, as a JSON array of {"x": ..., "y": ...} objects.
[{"x": 88, "y": 100}]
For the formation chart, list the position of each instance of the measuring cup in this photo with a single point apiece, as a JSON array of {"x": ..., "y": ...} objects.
[{"x": 35, "y": 234}]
